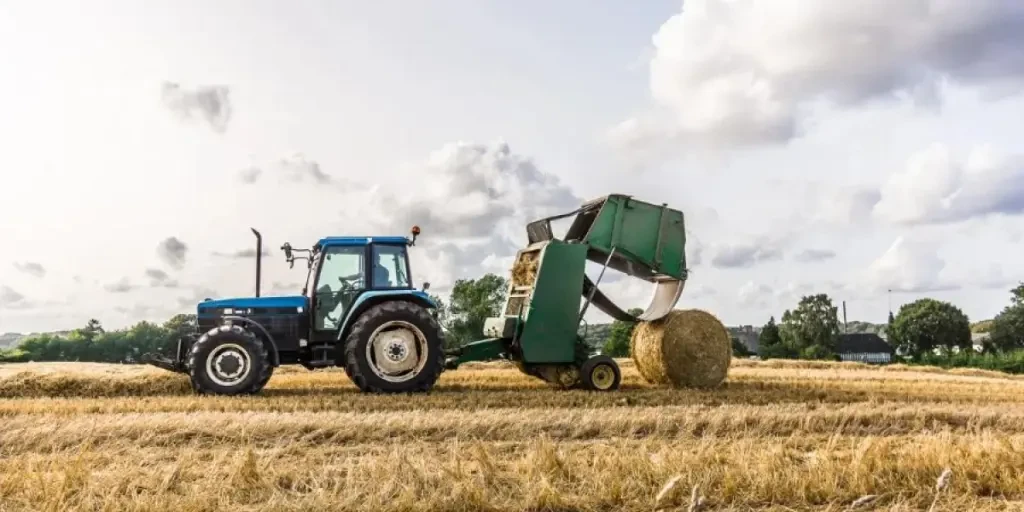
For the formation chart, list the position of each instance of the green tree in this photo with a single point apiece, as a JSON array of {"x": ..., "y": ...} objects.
[
  {"x": 769, "y": 342},
  {"x": 928, "y": 324},
  {"x": 1006, "y": 330},
  {"x": 181, "y": 325},
  {"x": 617, "y": 344},
  {"x": 810, "y": 331},
  {"x": 471, "y": 302}
]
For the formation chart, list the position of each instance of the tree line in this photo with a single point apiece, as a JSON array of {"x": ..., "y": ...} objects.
[
  {"x": 93, "y": 343},
  {"x": 926, "y": 331}
]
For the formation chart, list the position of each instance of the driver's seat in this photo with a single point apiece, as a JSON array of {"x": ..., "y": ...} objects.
[{"x": 381, "y": 276}]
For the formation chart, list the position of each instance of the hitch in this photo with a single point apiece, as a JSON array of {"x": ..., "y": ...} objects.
[{"x": 176, "y": 365}]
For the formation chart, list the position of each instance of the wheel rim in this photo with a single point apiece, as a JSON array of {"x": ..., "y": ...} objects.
[
  {"x": 602, "y": 376},
  {"x": 397, "y": 351},
  {"x": 228, "y": 364}
]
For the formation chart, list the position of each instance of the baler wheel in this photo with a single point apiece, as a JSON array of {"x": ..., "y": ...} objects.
[{"x": 601, "y": 373}]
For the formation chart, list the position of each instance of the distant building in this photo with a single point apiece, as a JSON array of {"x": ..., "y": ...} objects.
[
  {"x": 747, "y": 335},
  {"x": 978, "y": 340},
  {"x": 864, "y": 347}
]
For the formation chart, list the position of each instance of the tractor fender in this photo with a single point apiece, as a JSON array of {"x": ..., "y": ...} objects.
[
  {"x": 372, "y": 298},
  {"x": 275, "y": 359}
]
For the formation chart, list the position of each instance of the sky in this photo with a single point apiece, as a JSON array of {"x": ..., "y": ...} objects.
[{"x": 847, "y": 148}]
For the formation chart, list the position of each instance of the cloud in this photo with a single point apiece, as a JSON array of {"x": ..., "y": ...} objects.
[
  {"x": 12, "y": 299},
  {"x": 814, "y": 255},
  {"x": 843, "y": 205},
  {"x": 754, "y": 295},
  {"x": 469, "y": 190},
  {"x": 744, "y": 72},
  {"x": 746, "y": 254},
  {"x": 298, "y": 168},
  {"x": 250, "y": 175},
  {"x": 31, "y": 268},
  {"x": 197, "y": 295},
  {"x": 935, "y": 187},
  {"x": 694, "y": 251},
  {"x": 243, "y": 254},
  {"x": 473, "y": 202},
  {"x": 159, "y": 279},
  {"x": 123, "y": 285},
  {"x": 211, "y": 103},
  {"x": 172, "y": 251},
  {"x": 279, "y": 288},
  {"x": 908, "y": 265}
]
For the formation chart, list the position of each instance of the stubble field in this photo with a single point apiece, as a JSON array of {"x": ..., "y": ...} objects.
[{"x": 777, "y": 436}]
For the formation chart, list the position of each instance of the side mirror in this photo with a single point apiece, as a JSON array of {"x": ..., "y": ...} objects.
[
  {"x": 426, "y": 286},
  {"x": 287, "y": 248}
]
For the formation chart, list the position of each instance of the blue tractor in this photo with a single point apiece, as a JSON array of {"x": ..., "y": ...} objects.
[{"x": 358, "y": 310}]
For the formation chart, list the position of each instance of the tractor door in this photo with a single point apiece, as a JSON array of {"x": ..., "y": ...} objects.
[
  {"x": 340, "y": 279},
  {"x": 390, "y": 267}
]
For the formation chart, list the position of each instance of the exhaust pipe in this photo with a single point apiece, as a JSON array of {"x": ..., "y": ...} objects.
[{"x": 259, "y": 256}]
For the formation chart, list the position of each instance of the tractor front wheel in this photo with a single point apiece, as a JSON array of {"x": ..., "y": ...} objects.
[
  {"x": 601, "y": 373},
  {"x": 394, "y": 347},
  {"x": 228, "y": 360}
]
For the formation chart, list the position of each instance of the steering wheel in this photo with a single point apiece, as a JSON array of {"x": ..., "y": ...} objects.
[{"x": 348, "y": 284}]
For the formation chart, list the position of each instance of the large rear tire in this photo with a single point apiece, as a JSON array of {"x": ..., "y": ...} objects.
[
  {"x": 394, "y": 347},
  {"x": 229, "y": 360}
]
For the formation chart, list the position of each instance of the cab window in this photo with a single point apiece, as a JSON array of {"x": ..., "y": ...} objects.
[
  {"x": 341, "y": 278},
  {"x": 390, "y": 269}
]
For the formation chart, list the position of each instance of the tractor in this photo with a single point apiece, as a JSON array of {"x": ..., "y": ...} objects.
[{"x": 358, "y": 310}]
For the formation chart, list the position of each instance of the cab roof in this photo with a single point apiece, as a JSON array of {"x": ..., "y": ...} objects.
[{"x": 360, "y": 240}]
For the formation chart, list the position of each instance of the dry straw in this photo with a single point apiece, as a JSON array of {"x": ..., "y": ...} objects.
[
  {"x": 686, "y": 348},
  {"x": 525, "y": 270}
]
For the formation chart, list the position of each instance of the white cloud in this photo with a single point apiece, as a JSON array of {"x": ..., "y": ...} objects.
[
  {"x": 12, "y": 299},
  {"x": 172, "y": 251},
  {"x": 737, "y": 72},
  {"x": 472, "y": 202},
  {"x": 754, "y": 295},
  {"x": 748, "y": 253},
  {"x": 123, "y": 285},
  {"x": 908, "y": 265},
  {"x": 935, "y": 187},
  {"x": 211, "y": 103},
  {"x": 814, "y": 255},
  {"x": 31, "y": 268},
  {"x": 842, "y": 206}
]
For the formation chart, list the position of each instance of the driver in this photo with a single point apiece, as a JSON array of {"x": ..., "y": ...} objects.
[{"x": 381, "y": 276}]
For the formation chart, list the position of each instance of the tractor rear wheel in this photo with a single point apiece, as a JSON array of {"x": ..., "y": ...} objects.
[
  {"x": 601, "y": 373},
  {"x": 228, "y": 360},
  {"x": 394, "y": 347}
]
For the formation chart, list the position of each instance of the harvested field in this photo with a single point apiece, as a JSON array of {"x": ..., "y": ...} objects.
[{"x": 775, "y": 436}]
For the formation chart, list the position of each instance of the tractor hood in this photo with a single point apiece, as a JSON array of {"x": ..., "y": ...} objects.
[{"x": 291, "y": 302}]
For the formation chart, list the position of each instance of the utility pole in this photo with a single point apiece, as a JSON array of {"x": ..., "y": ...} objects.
[{"x": 846, "y": 329}]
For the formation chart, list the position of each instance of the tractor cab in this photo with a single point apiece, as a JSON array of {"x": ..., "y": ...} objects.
[{"x": 341, "y": 269}]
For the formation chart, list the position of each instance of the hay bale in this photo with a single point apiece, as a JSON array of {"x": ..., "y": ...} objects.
[{"x": 686, "y": 348}]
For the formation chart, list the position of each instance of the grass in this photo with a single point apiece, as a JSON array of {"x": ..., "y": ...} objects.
[{"x": 786, "y": 435}]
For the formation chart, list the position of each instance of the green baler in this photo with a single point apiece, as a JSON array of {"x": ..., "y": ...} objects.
[{"x": 549, "y": 291}]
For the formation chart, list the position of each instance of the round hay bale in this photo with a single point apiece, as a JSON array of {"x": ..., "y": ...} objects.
[{"x": 687, "y": 348}]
